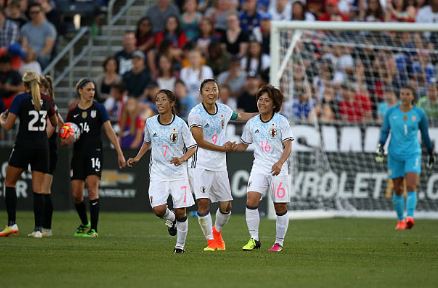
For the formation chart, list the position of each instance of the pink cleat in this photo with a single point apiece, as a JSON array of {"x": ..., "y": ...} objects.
[
  {"x": 410, "y": 222},
  {"x": 401, "y": 225},
  {"x": 276, "y": 248}
]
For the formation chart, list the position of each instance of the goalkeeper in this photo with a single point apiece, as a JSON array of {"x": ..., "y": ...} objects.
[{"x": 404, "y": 152}]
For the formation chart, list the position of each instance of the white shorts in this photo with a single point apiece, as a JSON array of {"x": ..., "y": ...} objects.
[
  {"x": 180, "y": 191},
  {"x": 276, "y": 186},
  {"x": 213, "y": 185}
]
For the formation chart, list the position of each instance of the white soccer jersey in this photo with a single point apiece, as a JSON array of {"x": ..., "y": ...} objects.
[
  {"x": 214, "y": 127},
  {"x": 268, "y": 140},
  {"x": 167, "y": 141}
]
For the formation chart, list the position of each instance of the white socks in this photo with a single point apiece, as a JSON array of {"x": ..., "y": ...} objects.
[
  {"x": 169, "y": 215},
  {"x": 181, "y": 235},
  {"x": 281, "y": 228},
  {"x": 206, "y": 226},
  {"x": 221, "y": 219},
  {"x": 253, "y": 221}
]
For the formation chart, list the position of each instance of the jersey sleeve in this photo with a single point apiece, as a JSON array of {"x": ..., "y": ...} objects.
[
  {"x": 229, "y": 112},
  {"x": 424, "y": 128},
  {"x": 16, "y": 104},
  {"x": 286, "y": 130},
  {"x": 103, "y": 113},
  {"x": 195, "y": 120},
  {"x": 147, "y": 136},
  {"x": 384, "y": 131},
  {"x": 188, "y": 139},
  {"x": 246, "y": 134}
]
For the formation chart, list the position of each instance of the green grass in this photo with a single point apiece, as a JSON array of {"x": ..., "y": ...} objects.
[{"x": 134, "y": 250}]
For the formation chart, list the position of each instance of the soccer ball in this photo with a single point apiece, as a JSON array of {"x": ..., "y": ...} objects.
[{"x": 70, "y": 129}]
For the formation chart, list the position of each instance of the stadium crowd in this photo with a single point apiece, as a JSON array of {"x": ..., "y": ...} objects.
[{"x": 177, "y": 44}]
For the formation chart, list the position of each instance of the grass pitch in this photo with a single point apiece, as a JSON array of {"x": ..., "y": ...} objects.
[{"x": 134, "y": 250}]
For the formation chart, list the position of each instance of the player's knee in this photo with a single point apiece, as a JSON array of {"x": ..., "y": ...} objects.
[
  {"x": 180, "y": 214},
  {"x": 252, "y": 203},
  {"x": 159, "y": 211},
  {"x": 411, "y": 187},
  {"x": 181, "y": 218},
  {"x": 9, "y": 182},
  {"x": 226, "y": 208},
  {"x": 280, "y": 208}
]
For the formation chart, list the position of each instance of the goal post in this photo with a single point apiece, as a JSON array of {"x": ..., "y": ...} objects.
[{"x": 332, "y": 165}]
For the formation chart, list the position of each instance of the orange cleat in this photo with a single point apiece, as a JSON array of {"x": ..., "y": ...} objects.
[
  {"x": 211, "y": 246},
  {"x": 410, "y": 222},
  {"x": 401, "y": 225},
  {"x": 220, "y": 243},
  {"x": 9, "y": 230}
]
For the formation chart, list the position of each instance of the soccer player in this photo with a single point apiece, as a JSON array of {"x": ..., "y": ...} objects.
[
  {"x": 169, "y": 136},
  {"x": 86, "y": 164},
  {"x": 404, "y": 152},
  {"x": 47, "y": 91},
  {"x": 31, "y": 147},
  {"x": 272, "y": 137},
  {"x": 208, "y": 123}
]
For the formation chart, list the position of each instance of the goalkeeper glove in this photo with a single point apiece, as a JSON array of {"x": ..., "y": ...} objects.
[
  {"x": 431, "y": 160},
  {"x": 380, "y": 153}
]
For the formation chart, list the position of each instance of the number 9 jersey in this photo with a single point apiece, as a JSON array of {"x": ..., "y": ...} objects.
[{"x": 87, "y": 151}]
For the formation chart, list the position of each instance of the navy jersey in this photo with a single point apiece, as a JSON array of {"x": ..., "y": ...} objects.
[
  {"x": 90, "y": 122},
  {"x": 32, "y": 131}
]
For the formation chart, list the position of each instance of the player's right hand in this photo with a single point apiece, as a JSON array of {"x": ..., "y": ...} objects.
[
  {"x": 430, "y": 161},
  {"x": 131, "y": 162},
  {"x": 229, "y": 146},
  {"x": 380, "y": 154}
]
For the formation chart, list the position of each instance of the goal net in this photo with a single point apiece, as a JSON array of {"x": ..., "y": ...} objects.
[{"x": 339, "y": 79}]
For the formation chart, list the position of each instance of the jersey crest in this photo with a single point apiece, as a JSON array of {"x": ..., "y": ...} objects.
[
  {"x": 84, "y": 114},
  {"x": 273, "y": 132},
  {"x": 93, "y": 113},
  {"x": 174, "y": 136},
  {"x": 405, "y": 117}
]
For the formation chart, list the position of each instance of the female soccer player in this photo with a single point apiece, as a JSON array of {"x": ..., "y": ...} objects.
[
  {"x": 86, "y": 164},
  {"x": 169, "y": 137},
  {"x": 31, "y": 147},
  {"x": 208, "y": 123},
  {"x": 404, "y": 152},
  {"x": 47, "y": 91},
  {"x": 272, "y": 137}
]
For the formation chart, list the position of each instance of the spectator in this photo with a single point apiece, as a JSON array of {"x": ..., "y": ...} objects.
[
  {"x": 144, "y": 37},
  {"x": 15, "y": 14},
  {"x": 429, "y": 13},
  {"x": 190, "y": 20},
  {"x": 206, "y": 35},
  {"x": 30, "y": 64},
  {"x": 235, "y": 39},
  {"x": 303, "y": 106},
  {"x": 185, "y": 101},
  {"x": 234, "y": 77},
  {"x": 371, "y": 11},
  {"x": 300, "y": 12},
  {"x": 138, "y": 78},
  {"x": 280, "y": 10},
  {"x": 400, "y": 11},
  {"x": 247, "y": 102},
  {"x": 131, "y": 134},
  {"x": 225, "y": 97},
  {"x": 390, "y": 98},
  {"x": 354, "y": 107},
  {"x": 10, "y": 81},
  {"x": 219, "y": 14},
  {"x": 124, "y": 56},
  {"x": 218, "y": 59},
  {"x": 39, "y": 35},
  {"x": 109, "y": 77},
  {"x": 255, "y": 61},
  {"x": 166, "y": 76},
  {"x": 52, "y": 15},
  {"x": 327, "y": 108},
  {"x": 173, "y": 34},
  {"x": 332, "y": 12},
  {"x": 160, "y": 12},
  {"x": 250, "y": 17},
  {"x": 195, "y": 73},
  {"x": 430, "y": 103},
  {"x": 114, "y": 104},
  {"x": 8, "y": 30},
  {"x": 263, "y": 33}
]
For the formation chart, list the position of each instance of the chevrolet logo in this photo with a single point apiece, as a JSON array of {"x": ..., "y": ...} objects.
[{"x": 114, "y": 177}]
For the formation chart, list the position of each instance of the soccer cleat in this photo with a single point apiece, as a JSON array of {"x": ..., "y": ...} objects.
[
  {"x": 81, "y": 230},
  {"x": 252, "y": 245},
  {"x": 171, "y": 227},
  {"x": 401, "y": 225},
  {"x": 211, "y": 246},
  {"x": 47, "y": 232},
  {"x": 10, "y": 230},
  {"x": 90, "y": 234},
  {"x": 410, "y": 222},
  {"x": 275, "y": 248},
  {"x": 178, "y": 251},
  {"x": 35, "y": 234},
  {"x": 220, "y": 243}
]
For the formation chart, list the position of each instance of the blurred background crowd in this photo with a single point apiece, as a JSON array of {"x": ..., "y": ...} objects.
[{"x": 177, "y": 44}]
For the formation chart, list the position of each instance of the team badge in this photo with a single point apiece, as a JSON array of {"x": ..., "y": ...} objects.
[
  {"x": 273, "y": 131},
  {"x": 84, "y": 114},
  {"x": 174, "y": 136},
  {"x": 203, "y": 189},
  {"x": 93, "y": 114},
  {"x": 405, "y": 117},
  {"x": 222, "y": 121}
]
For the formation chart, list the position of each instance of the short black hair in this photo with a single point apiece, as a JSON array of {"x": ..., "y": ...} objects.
[
  {"x": 208, "y": 80},
  {"x": 273, "y": 93}
]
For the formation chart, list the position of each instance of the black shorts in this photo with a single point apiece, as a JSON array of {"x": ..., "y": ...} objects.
[
  {"x": 53, "y": 159},
  {"x": 38, "y": 158},
  {"x": 86, "y": 163}
]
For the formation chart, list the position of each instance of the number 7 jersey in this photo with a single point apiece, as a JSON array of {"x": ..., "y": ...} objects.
[{"x": 268, "y": 138}]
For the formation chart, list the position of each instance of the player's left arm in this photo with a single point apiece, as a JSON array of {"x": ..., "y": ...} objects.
[
  {"x": 424, "y": 128},
  {"x": 113, "y": 139},
  {"x": 276, "y": 168},
  {"x": 242, "y": 116}
]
